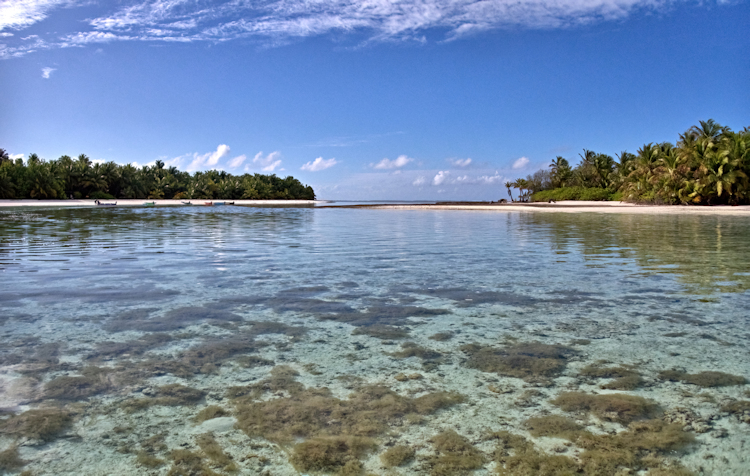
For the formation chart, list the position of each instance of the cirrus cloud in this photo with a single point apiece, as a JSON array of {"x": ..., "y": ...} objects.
[{"x": 278, "y": 22}]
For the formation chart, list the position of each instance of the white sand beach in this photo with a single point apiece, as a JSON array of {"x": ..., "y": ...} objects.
[{"x": 573, "y": 206}]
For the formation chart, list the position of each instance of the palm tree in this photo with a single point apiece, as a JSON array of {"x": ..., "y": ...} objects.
[
  {"x": 508, "y": 185},
  {"x": 709, "y": 129},
  {"x": 560, "y": 172},
  {"x": 7, "y": 187},
  {"x": 44, "y": 183},
  {"x": 719, "y": 174}
]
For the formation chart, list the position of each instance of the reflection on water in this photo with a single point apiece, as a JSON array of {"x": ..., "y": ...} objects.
[{"x": 285, "y": 340}]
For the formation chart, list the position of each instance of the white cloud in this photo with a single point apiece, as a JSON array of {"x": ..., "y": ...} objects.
[
  {"x": 269, "y": 162},
  {"x": 92, "y": 37},
  {"x": 491, "y": 179},
  {"x": 441, "y": 177},
  {"x": 18, "y": 14},
  {"x": 419, "y": 181},
  {"x": 460, "y": 162},
  {"x": 15, "y": 156},
  {"x": 5, "y": 34},
  {"x": 319, "y": 164},
  {"x": 520, "y": 163},
  {"x": 47, "y": 72},
  {"x": 201, "y": 161},
  {"x": 277, "y": 22},
  {"x": 393, "y": 164},
  {"x": 237, "y": 161}
]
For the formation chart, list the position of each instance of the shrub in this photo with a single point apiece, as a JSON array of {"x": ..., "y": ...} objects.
[
  {"x": 576, "y": 193},
  {"x": 100, "y": 196}
]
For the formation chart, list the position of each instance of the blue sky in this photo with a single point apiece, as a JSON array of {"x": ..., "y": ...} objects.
[{"x": 417, "y": 99}]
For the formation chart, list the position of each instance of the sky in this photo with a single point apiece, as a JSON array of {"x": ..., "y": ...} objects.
[{"x": 369, "y": 99}]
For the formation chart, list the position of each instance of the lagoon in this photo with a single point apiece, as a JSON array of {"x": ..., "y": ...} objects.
[{"x": 243, "y": 340}]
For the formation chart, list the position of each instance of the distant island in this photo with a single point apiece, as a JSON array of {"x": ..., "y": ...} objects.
[
  {"x": 67, "y": 178},
  {"x": 710, "y": 165}
]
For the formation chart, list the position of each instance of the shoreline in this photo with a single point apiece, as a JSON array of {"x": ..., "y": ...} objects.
[
  {"x": 130, "y": 202},
  {"x": 574, "y": 206},
  {"x": 568, "y": 206}
]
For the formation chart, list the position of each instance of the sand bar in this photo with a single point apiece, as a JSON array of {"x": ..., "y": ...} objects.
[
  {"x": 569, "y": 206},
  {"x": 573, "y": 206}
]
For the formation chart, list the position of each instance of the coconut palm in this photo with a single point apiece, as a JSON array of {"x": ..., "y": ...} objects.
[
  {"x": 43, "y": 182},
  {"x": 509, "y": 185}
]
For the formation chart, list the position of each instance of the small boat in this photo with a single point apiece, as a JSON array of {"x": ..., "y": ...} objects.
[
  {"x": 219, "y": 203},
  {"x": 228, "y": 203},
  {"x": 208, "y": 204},
  {"x": 186, "y": 203},
  {"x": 100, "y": 204},
  {"x": 149, "y": 204}
]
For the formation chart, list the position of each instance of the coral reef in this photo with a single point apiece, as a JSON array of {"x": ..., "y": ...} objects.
[
  {"x": 168, "y": 395},
  {"x": 209, "y": 413},
  {"x": 523, "y": 360},
  {"x": 618, "y": 407},
  {"x": 41, "y": 424},
  {"x": 382, "y": 332},
  {"x": 335, "y": 431},
  {"x": 455, "y": 455},
  {"x": 553, "y": 425},
  {"x": 707, "y": 379},
  {"x": 516, "y": 456},
  {"x": 341, "y": 454},
  {"x": 397, "y": 455},
  {"x": 10, "y": 460}
]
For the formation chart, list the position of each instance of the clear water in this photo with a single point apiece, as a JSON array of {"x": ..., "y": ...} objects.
[{"x": 119, "y": 297}]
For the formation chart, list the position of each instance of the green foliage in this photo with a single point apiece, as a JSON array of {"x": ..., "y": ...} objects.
[
  {"x": 101, "y": 196},
  {"x": 709, "y": 165},
  {"x": 81, "y": 178},
  {"x": 574, "y": 193}
]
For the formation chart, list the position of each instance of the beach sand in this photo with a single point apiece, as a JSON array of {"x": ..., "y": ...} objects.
[
  {"x": 570, "y": 206},
  {"x": 573, "y": 206}
]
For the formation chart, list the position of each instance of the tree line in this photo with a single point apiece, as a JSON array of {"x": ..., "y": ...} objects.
[
  {"x": 81, "y": 178},
  {"x": 709, "y": 165}
]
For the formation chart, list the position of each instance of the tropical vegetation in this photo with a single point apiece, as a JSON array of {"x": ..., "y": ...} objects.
[
  {"x": 709, "y": 165},
  {"x": 81, "y": 178}
]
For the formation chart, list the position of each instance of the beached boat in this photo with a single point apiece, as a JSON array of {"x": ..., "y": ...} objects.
[
  {"x": 100, "y": 204},
  {"x": 218, "y": 203},
  {"x": 186, "y": 203},
  {"x": 208, "y": 204},
  {"x": 149, "y": 204}
]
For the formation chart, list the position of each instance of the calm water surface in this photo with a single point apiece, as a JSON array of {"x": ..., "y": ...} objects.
[{"x": 303, "y": 341}]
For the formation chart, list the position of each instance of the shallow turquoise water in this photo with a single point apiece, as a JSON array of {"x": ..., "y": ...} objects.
[{"x": 652, "y": 292}]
